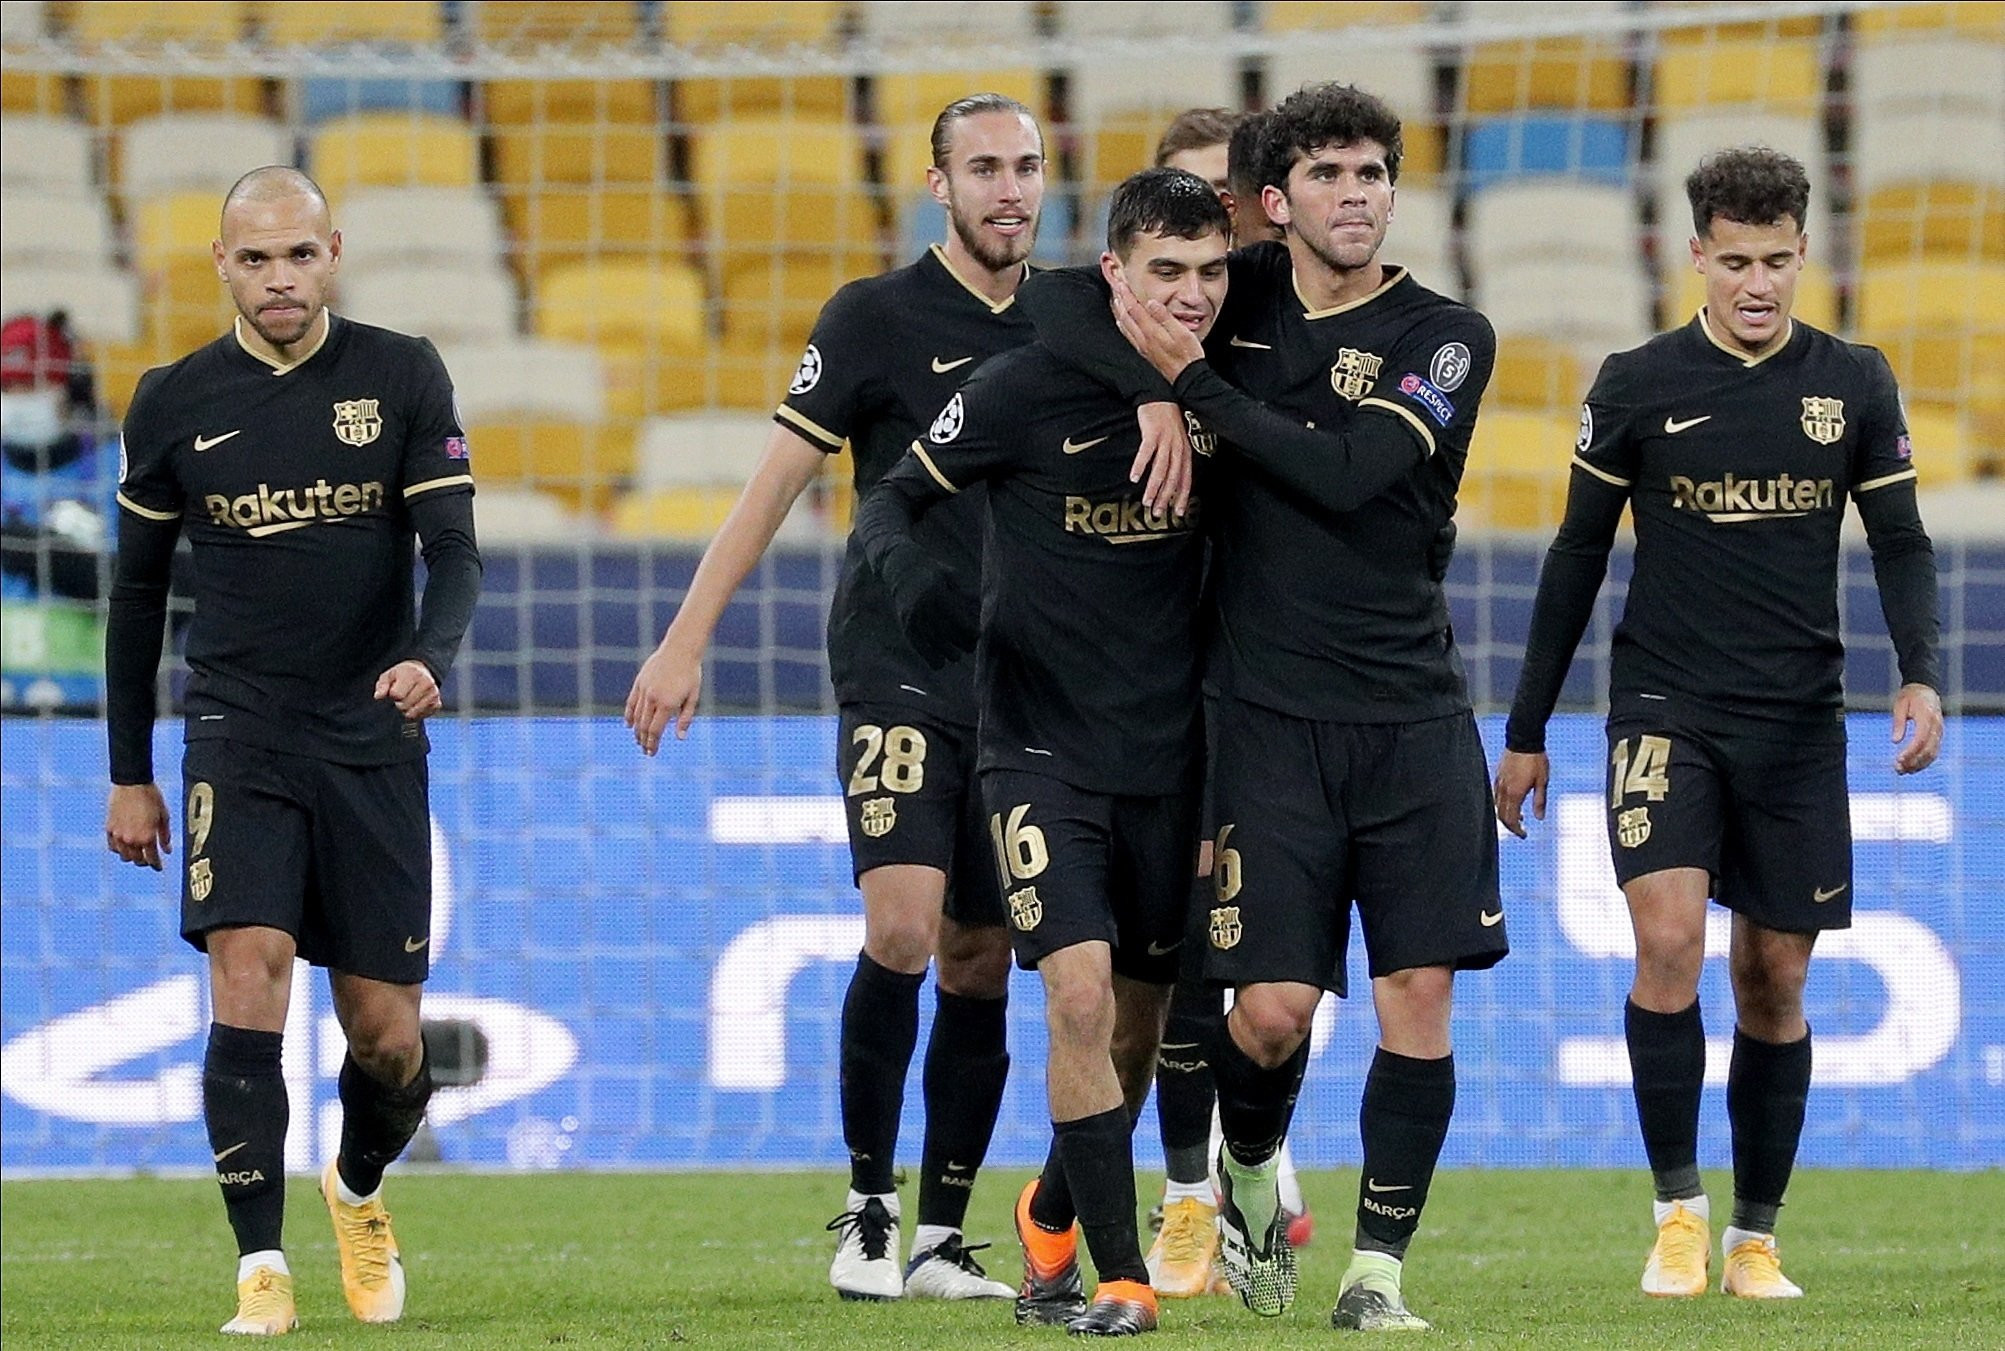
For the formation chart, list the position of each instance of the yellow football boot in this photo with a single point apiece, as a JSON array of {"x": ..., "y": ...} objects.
[
  {"x": 372, "y": 1274},
  {"x": 264, "y": 1305}
]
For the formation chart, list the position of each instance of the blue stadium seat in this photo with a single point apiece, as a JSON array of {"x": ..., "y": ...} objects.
[
  {"x": 1595, "y": 148},
  {"x": 323, "y": 97},
  {"x": 926, "y": 223}
]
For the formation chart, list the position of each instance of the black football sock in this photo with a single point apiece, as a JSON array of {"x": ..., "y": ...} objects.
[
  {"x": 1767, "y": 1086},
  {"x": 1254, "y": 1104},
  {"x": 245, "y": 1105},
  {"x": 1667, "y": 1065},
  {"x": 1404, "y": 1120},
  {"x": 1099, "y": 1161},
  {"x": 967, "y": 1067},
  {"x": 1185, "y": 1090},
  {"x": 377, "y": 1121},
  {"x": 880, "y": 1026},
  {"x": 1051, "y": 1205}
]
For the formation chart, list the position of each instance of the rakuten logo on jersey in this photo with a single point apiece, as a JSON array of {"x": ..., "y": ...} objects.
[
  {"x": 1742, "y": 499},
  {"x": 270, "y": 510}
]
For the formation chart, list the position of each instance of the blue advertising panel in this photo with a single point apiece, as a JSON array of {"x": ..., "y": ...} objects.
[{"x": 653, "y": 955}]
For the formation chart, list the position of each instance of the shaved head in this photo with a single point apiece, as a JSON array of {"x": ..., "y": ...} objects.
[{"x": 275, "y": 183}]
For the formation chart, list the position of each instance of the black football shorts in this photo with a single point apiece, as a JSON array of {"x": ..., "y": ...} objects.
[
  {"x": 1078, "y": 866},
  {"x": 1769, "y": 819},
  {"x": 1314, "y": 816},
  {"x": 338, "y": 856}
]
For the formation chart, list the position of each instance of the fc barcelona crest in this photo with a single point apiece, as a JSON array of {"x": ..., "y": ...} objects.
[
  {"x": 1226, "y": 930},
  {"x": 1354, "y": 373},
  {"x": 1632, "y": 827},
  {"x": 357, "y": 422},
  {"x": 1026, "y": 911},
  {"x": 201, "y": 880},
  {"x": 878, "y": 816},
  {"x": 1824, "y": 420}
]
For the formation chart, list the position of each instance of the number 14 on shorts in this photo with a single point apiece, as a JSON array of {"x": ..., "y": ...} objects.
[{"x": 1640, "y": 764}]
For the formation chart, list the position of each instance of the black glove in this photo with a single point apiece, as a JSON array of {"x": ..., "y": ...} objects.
[
  {"x": 1440, "y": 551},
  {"x": 940, "y": 618}
]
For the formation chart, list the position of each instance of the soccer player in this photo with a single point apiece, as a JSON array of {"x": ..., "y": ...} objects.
[
  {"x": 1347, "y": 765},
  {"x": 1089, "y": 741},
  {"x": 885, "y": 355},
  {"x": 1221, "y": 148},
  {"x": 301, "y": 453},
  {"x": 1735, "y": 441}
]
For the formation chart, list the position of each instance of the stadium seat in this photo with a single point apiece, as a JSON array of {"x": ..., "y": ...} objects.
[
  {"x": 186, "y": 305},
  {"x": 1536, "y": 373},
  {"x": 753, "y": 377},
  {"x": 1943, "y": 449},
  {"x": 1531, "y": 218},
  {"x": 801, "y": 22},
  {"x": 710, "y": 100},
  {"x": 700, "y": 449},
  {"x": 464, "y": 302},
  {"x": 772, "y": 299},
  {"x": 1549, "y": 72},
  {"x": 1816, "y": 291},
  {"x": 1519, "y": 464},
  {"x": 906, "y": 105},
  {"x": 1975, "y": 18},
  {"x": 114, "y": 100},
  {"x": 999, "y": 24},
  {"x": 510, "y": 516},
  {"x": 620, "y": 224},
  {"x": 530, "y": 157},
  {"x": 318, "y": 98},
  {"x": 1776, "y": 75},
  {"x": 24, "y": 91},
  {"x": 694, "y": 514},
  {"x": 1930, "y": 184},
  {"x": 771, "y": 183},
  {"x": 103, "y": 300},
  {"x": 560, "y": 23},
  {"x": 1686, "y": 139},
  {"x": 57, "y": 228},
  {"x": 196, "y": 151},
  {"x": 393, "y": 150},
  {"x": 1422, "y": 237},
  {"x": 45, "y": 154},
  {"x": 523, "y": 103},
  {"x": 213, "y": 22},
  {"x": 1963, "y": 76},
  {"x": 300, "y": 23},
  {"x": 1941, "y": 324},
  {"x": 439, "y": 226},
  {"x": 532, "y": 376},
  {"x": 23, "y": 20},
  {"x": 1402, "y": 76},
  {"x": 1120, "y": 105},
  {"x": 579, "y": 463},
  {"x": 646, "y": 319},
  {"x": 1116, "y": 19},
  {"x": 1600, "y": 149},
  {"x": 923, "y": 222},
  {"x": 1594, "y": 307}
]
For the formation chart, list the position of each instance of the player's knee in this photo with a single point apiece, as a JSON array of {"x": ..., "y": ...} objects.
[
  {"x": 1274, "y": 1026},
  {"x": 1668, "y": 961},
  {"x": 899, "y": 943},
  {"x": 390, "y": 1050},
  {"x": 1080, "y": 1012},
  {"x": 975, "y": 963}
]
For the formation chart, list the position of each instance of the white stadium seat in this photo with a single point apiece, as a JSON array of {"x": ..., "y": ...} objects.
[
  {"x": 47, "y": 227},
  {"x": 446, "y": 305},
  {"x": 1402, "y": 76},
  {"x": 102, "y": 300},
  {"x": 1686, "y": 139},
  {"x": 22, "y": 20},
  {"x": 1595, "y": 307},
  {"x": 700, "y": 449},
  {"x": 998, "y": 24},
  {"x": 385, "y": 225},
  {"x": 1532, "y": 218},
  {"x": 1962, "y": 76},
  {"x": 45, "y": 154},
  {"x": 1116, "y": 19},
  {"x": 197, "y": 152},
  {"x": 1421, "y": 238},
  {"x": 1917, "y": 146},
  {"x": 528, "y": 377},
  {"x": 524, "y": 516}
]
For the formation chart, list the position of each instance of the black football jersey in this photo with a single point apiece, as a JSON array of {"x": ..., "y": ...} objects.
[
  {"x": 292, "y": 484},
  {"x": 1337, "y": 615},
  {"x": 1088, "y": 669},
  {"x": 886, "y": 355},
  {"x": 1737, "y": 472}
]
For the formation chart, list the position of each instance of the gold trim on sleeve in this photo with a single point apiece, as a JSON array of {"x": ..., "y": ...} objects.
[
  {"x": 1887, "y": 481},
  {"x": 148, "y": 512},
  {"x": 802, "y": 422},
  {"x": 932, "y": 468},
  {"x": 1602, "y": 474},
  {"x": 432, "y": 483},
  {"x": 1412, "y": 418}
]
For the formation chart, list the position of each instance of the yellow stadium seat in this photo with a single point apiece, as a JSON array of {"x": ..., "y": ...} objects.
[
  {"x": 1536, "y": 373},
  {"x": 1518, "y": 468},
  {"x": 203, "y": 21},
  {"x": 512, "y": 103},
  {"x": 186, "y": 305},
  {"x": 907, "y": 105},
  {"x": 582, "y": 463},
  {"x": 25, "y": 92},
  {"x": 1781, "y": 75},
  {"x": 394, "y": 149},
  {"x": 1290, "y": 15},
  {"x": 752, "y": 21},
  {"x": 1946, "y": 220},
  {"x": 614, "y": 223},
  {"x": 647, "y": 320},
  {"x": 788, "y": 185},
  {"x": 1977, "y": 18},
  {"x": 1933, "y": 295},
  {"x": 704, "y": 101},
  {"x": 114, "y": 100},
  {"x": 1508, "y": 77},
  {"x": 772, "y": 299},
  {"x": 1757, "y": 30},
  {"x": 673, "y": 513},
  {"x": 1816, "y": 296},
  {"x": 581, "y": 152},
  {"x": 298, "y": 23},
  {"x": 180, "y": 225},
  {"x": 537, "y": 23},
  {"x": 1942, "y": 444}
]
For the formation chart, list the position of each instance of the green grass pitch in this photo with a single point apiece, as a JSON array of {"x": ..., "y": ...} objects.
[{"x": 1507, "y": 1259}]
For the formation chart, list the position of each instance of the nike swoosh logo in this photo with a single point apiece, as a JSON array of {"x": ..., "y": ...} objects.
[
  {"x": 208, "y": 442},
  {"x": 1820, "y": 895},
  {"x": 1238, "y": 341},
  {"x": 942, "y": 367},
  {"x": 1491, "y": 918},
  {"x": 954, "y": 1167},
  {"x": 1155, "y": 951},
  {"x": 1672, "y": 427},
  {"x": 416, "y": 944},
  {"x": 1372, "y": 1186},
  {"x": 231, "y": 1150},
  {"x": 1074, "y": 447}
]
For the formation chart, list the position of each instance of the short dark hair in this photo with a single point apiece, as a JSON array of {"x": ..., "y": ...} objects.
[
  {"x": 1244, "y": 155},
  {"x": 1194, "y": 130},
  {"x": 1164, "y": 201},
  {"x": 1317, "y": 115},
  {"x": 1751, "y": 184},
  {"x": 974, "y": 105}
]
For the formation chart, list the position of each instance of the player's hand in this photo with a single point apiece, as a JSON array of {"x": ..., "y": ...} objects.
[
  {"x": 667, "y": 688},
  {"x": 135, "y": 824},
  {"x": 1520, "y": 773},
  {"x": 1167, "y": 344},
  {"x": 1917, "y": 708},
  {"x": 1440, "y": 552},
  {"x": 409, "y": 685},
  {"x": 1164, "y": 457},
  {"x": 939, "y": 618}
]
